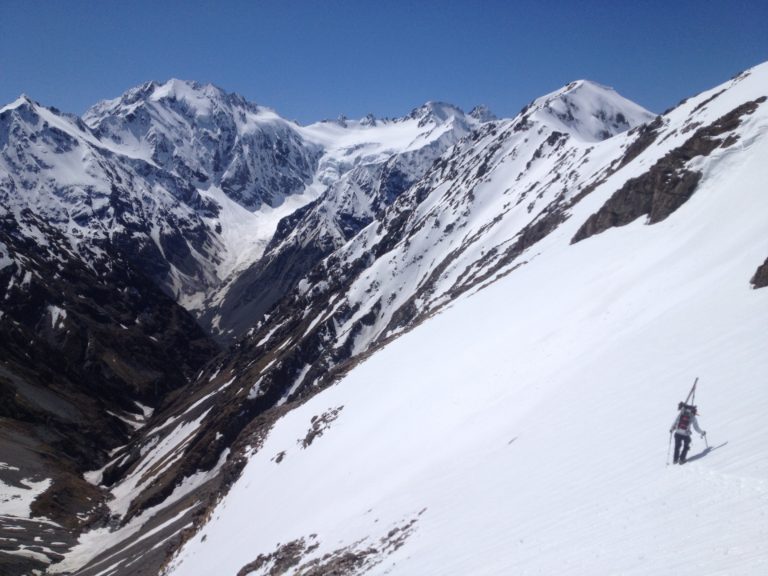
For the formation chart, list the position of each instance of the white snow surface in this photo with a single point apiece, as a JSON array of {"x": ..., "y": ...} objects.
[
  {"x": 58, "y": 315},
  {"x": 525, "y": 428},
  {"x": 17, "y": 500},
  {"x": 591, "y": 110}
]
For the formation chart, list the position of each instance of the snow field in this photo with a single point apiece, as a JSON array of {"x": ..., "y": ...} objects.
[{"x": 531, "y": 420}]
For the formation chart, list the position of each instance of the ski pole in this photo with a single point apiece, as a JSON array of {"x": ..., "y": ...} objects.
[{"x": 669, "y": 447}]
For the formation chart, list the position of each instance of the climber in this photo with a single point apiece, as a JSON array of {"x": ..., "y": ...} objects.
[{"x": 686, "y": 417}]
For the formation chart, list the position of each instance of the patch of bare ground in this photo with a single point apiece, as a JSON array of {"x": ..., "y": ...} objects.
[
  {"x": 319, "y": 425},
  {"x": 353, "y": 560},
  {"x": 760, "y": 279}
]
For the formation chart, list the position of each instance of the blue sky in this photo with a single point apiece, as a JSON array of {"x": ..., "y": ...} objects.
[{"x": 317, "y": 59}]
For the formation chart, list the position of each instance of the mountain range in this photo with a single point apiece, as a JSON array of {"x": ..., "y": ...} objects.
[{"x": 233, "y": 344}]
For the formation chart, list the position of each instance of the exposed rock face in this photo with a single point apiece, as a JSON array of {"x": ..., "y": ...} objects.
[
  {"x": 656, "y": 194},
  {"x": 668, "y": 184},
  {"x": 86, "y": 354},
  {"x": 358, "y": 558},
  {"x": 760, "y": 279}
]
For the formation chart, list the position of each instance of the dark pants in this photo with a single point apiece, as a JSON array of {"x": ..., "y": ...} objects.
[{"x": 685, "y": 441}]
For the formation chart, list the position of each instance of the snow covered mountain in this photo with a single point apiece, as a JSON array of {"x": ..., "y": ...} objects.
[
  {"x": 524, "y": 428},
  {"x": 452, "y": 339},
  {"x": 103, "y": 200},
  {"x": 211, "y": 138},
  {"x": 455, "y": 229},
  {"x": 174, "y": 187},
  {"x": 365, "y": 166},
  {"x": 190, "y": 183}
]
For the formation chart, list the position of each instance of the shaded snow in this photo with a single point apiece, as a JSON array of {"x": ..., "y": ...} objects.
[{"x": 5, "y": 257}]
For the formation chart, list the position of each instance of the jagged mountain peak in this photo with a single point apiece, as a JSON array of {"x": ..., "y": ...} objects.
[
  {"x": 199, "y": 97},
  {"x": 482, "y": 113},
  {"x": 186, "y": 97},
  {"x": 23, "y": 110},
  {"x": 370, "y": 120},
  {"x": 26, "y": 116},
  {"x": 437, "y": 112},
  {"x": 22, "y": 100},
  {"x": 588, "y": 110},
  {"x": 30, "y": 111},
  {"x": 431, "y": 112}
]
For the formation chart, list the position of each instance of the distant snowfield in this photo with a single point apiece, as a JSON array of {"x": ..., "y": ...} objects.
[{"x": 524, "y": 430}]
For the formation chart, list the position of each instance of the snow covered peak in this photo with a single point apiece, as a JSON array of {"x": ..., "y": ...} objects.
[
  {"x": 482, "y": 114},
  {"x": 369, "y": 120},
  {"x": 186, "y": 98},
  {"x": 208, "y": 137},
  {"x": 200, "y": 99},
  {"x": 436, "y": 112},
  {"x": 176, "y": 88},
  {"x": 26, "y": 117},
  {"x": 21, "y": 101},
  {"x": 589, "y": 110}
]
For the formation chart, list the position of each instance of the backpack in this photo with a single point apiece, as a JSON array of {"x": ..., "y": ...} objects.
[
  {"x": 684, "y": 422},
  {"x": 688, "y": 411}
]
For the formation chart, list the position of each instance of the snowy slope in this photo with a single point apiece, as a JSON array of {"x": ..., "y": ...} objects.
[
  {"x": 524, "y": 429},
  {"x": 178, "y": 460}
]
